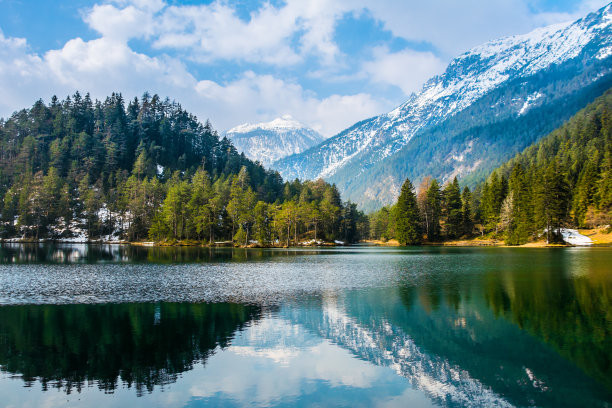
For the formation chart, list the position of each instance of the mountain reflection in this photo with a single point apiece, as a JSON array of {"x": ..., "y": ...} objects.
[
  {"x": 534, "y": 336},
  {"x": 520, "y": 337},
  {"x": 461, "y": 327},
  {"x": 138, "y": 345}
]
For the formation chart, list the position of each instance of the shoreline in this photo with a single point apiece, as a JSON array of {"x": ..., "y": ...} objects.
[
  {"x": 153, "y": 244},
  {"x": 599, "y": 236}
]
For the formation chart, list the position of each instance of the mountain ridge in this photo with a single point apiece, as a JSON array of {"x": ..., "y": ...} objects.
[
  {"x": 468, "y": 78},
  {"x": 268, "y": 142}
]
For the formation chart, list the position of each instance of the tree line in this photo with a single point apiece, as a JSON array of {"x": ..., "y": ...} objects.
[
  {"x": 565, "y": 180},
  {"x": 150, "y": 170}
]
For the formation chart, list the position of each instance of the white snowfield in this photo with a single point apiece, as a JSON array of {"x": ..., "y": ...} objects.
[
  {"x": 283, "y": 123},
  {"x": 466, "y": 79},
  {"x": 573, "y": 237},
  {"x": 271, "y": 141}
]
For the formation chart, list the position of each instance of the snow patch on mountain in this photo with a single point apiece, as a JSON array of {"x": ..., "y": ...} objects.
[
  {"x": 466, "y": 79},
  {"x": 529, "y": 102},
  {"x": 286, "y": 122},
  {"x": 271, "y": 141}
]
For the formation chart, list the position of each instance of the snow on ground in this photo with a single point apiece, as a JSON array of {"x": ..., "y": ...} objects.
[{"x": 573, "y": 237}]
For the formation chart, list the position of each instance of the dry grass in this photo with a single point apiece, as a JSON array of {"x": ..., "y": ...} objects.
[{"x": 598, "y": 235}]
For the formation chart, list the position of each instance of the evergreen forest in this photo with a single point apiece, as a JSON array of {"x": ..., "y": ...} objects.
[
  {"x": 564, "y": 180},
  {"x": 83, "y": 169}
]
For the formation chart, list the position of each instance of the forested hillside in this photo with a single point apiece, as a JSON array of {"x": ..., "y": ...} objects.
[
  {"x": 565, "y": 180},
  {"x": 490, "y": 103},
  {"x": 81, "y": 169}
]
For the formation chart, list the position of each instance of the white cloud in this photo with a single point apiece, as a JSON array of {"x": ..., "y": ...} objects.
[
  {"x": 406, "y": 69},
  {"x": 106, "y": 65},
  {"x": 284, "y": 36},
  {"x": 261, "y": 98},
  {"x": 453, "y": 27},
  {"x": 276, "y": 36},
  {"x": 99, "y": 66},
  {"x": 215, "y": 32},
  {"x": 20, "y": 75},
  {"x": 149, "y": 5},
  {"x": 121, "y": 24}
]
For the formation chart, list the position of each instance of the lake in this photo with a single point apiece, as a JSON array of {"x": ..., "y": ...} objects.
[{"x": 111, "y": 325}]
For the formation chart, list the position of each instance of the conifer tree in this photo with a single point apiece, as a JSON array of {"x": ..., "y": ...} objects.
[
  {"x": 408, "y": 220},
  {"x": 466, "y": 212},
  {"x": 552, "y": 201},
  {"x": 520, "y": 216},
  {"x": 434, "y": 207},
  {"x": 452, "y": 207}
]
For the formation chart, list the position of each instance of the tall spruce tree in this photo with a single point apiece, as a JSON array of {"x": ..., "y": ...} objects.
[
  {"x": 552, "y": 201},
  {"x": 407, "y": 216},
  {"x": 434, "y": 207},
  {"x": 452, "y": 209},
  {"x": 521, "y": 215},
  {"x": 466, "y": 212}
]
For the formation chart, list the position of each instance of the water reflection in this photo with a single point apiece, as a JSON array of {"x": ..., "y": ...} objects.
[
  {"x": 492, "y": 327},
  {"x": 137, "y": 345},
  {"x": 62, "y": 253}
]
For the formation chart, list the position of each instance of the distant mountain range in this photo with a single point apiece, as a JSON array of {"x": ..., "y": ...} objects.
[
  {"x": 489, "y": 104},
  {"x": 271, "y": 141}
]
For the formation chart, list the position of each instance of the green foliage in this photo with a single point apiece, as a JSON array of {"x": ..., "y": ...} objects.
[
  {"x": 433, "y": 211},
  {"x": 151, "y": 170},
  {"x": 407, "y": 216},
  {"x": 466, "y": 212},
  {"x": 519, "y": 227},
  {"x": 563, "y": 180},
  {"x": 452, "y": 210}
]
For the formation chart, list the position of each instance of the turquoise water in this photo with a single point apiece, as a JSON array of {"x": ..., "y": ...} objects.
[{"x": 123, "y": 326}]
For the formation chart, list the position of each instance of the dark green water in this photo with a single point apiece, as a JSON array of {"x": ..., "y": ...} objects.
[{"x": 123, "y": 326}]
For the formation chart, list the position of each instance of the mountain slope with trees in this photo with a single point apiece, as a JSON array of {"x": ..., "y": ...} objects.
[
  {"x": 489, "y": 104},
  {"x": 81, "y": 169},
  {"x": 564, "y": 180}
]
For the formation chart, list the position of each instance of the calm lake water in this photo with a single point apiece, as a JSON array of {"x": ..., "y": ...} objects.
[{"x": 130, "y": 326}]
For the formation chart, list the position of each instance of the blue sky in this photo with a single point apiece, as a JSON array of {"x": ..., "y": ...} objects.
[{"x": 328, "y": 63}]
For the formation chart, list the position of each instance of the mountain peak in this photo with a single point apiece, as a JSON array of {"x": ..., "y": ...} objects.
[
  {"x": 285, "y": 122},
  {"x": 270, "y": 141},
  {"x": 500, "y": 80}
]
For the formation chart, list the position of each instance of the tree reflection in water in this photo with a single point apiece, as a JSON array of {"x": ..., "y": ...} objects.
[{"x": 139, "y": 345}]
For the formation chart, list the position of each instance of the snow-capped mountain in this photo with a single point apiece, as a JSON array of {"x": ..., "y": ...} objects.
[
  {"x": 559, "y": 68},
  {"x": 271, "y": 141}
]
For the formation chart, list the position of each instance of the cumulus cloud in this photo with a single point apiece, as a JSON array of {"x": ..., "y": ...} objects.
[
  {"x": 122, "y": 24},
  {"x": 276, "y": 41},
  {"x": 106, "y": 65},
  {"x": 272, "y": 35},
  {"x": 405, "y": 69},
  {"x": 453, "y": 27},
  {"x": 261, "y": 98},
  {"x": 99, "y": 66}
]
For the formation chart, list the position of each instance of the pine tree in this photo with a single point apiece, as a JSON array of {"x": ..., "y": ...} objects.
[
  {"x": 552, "y": 201},
  {"x": 434, "y": 207},
  {"x": 520, "y": 221},
  {"x": 586, "y": 194},
  {"x": 466, "y": 212},
  {"x": 408, "y": 220},
  {"x": 452, "y": 207}
]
